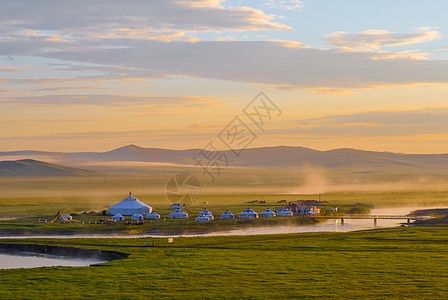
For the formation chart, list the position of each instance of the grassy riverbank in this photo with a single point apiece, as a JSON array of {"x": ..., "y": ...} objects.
[
  {"x": 32, "y": 226},
  {"x": 389, "y": 263}
]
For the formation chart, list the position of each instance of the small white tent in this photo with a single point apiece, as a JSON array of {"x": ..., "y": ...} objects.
[
  {"x": 178, "y": 214},
  {"x": 129, "y": 206},
  {"x": 227, "y": 215},
  {"x": 118, "y": 217},
  {"x": 268, "y": 213},
  {"x": 248, "y": 214},
  {"x": 153, "y": 216},
  {"x": 206, "y": 213},
  {"x": 137, "y": 217}
]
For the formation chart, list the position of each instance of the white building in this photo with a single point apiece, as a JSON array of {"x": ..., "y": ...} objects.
[
  {"x": 178, "y": 214},
  {"x": 176, "y": 206},
  {"x": 129, "y": 206},
  {"x": 284, "y": 213},
  {"x": 137, "y": 217},
  {"x": 268, "y": 213},
  {"x": 248, "y": 214},
  {"x": 206, "y": 213},
  {"x": 227, "y": 215},
  {"x": 153, "y": 216},
  {"x": 202, "y": 219},
  {"x": 118, "y": 217}
]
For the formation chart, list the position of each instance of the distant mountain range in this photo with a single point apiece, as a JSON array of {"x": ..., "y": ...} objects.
[
  {"x": 30, "y": 167},
  {"x": 281, "y": 157}
]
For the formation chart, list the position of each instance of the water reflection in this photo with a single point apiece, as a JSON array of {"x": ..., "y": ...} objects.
[{"x": 8, "y": 261}]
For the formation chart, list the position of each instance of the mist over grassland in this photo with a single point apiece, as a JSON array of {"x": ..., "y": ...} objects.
[{"x": 36, "y": 195}]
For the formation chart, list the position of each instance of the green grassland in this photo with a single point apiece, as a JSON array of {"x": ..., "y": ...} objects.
[{"x": 398, "y": 263}]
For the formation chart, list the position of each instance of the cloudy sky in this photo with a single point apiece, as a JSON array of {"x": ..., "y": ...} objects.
[{"x": 96, "y": 75}]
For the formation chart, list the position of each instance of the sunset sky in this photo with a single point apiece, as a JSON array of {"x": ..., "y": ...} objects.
[{"x": 97, "y": 75}]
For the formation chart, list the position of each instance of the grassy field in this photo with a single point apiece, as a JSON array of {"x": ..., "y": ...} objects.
[{"x": 398, "y": 263}]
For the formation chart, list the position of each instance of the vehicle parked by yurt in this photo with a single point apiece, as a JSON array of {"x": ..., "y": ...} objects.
[
  {"x": 118, "y": 217},
  {"x": 268, "y": 213},
  {"x": 248, "y": 214},
  {"x": 153, "y": 216},
  {"x": 137, "y": 217},
  {"x": 130, "y": 206},
  {"x": 284, "y": 213},
  {"x": 227, "y": 215},
  {"x": 206, "y": 213},
  {"x": 202, "y": 219},
  {"x": 178, "y": 214}
]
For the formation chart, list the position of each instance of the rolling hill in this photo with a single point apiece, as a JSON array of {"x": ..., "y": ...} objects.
[
  {"x": 281, "y": 157},
  {"x": 30, "y": 167}
]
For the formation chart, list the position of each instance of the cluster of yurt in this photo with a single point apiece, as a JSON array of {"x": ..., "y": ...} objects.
[{"x": 131, "y": 206}]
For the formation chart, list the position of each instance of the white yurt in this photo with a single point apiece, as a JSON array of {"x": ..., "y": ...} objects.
[
  {"x": 284, "y": 213},
  {"x": 248, "y": 213},
  {"x": 65, "y": 217},
  {"x": 153, "y": 216},
  {"x": 227, "y": 215},
  {"x": 118, "y": 217},
  {"x": 202, "y": 219},
  {"x": 268, "y": 213},
  {"x": 178, "y": 214},
  {"x": 137, "y": 217},
  {"x": 176, "y": 206},
  {"x": 206, "y": 213},
  {"x": 129, "y": 206}
]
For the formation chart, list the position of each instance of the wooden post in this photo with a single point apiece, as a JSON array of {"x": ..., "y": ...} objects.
[{"x": 374, "y": 222}]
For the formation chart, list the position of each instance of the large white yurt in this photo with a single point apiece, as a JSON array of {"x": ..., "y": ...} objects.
[
  {"x": 137, "y": 217},
  {"x": 153, "y": 216},
  {"x": 284, "y": 213},
  {"x": 206, "y": 213},
  {"x": 178, "y": 214},
  {"x": 247, "y": 214},
  {"x": 202, "y": 219},
  {"x": 129, "y": 206},
  {"x": 268, "y": 213},
  {"x": 227, "y": 215},
  {"x": 118, "y": 217}
]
